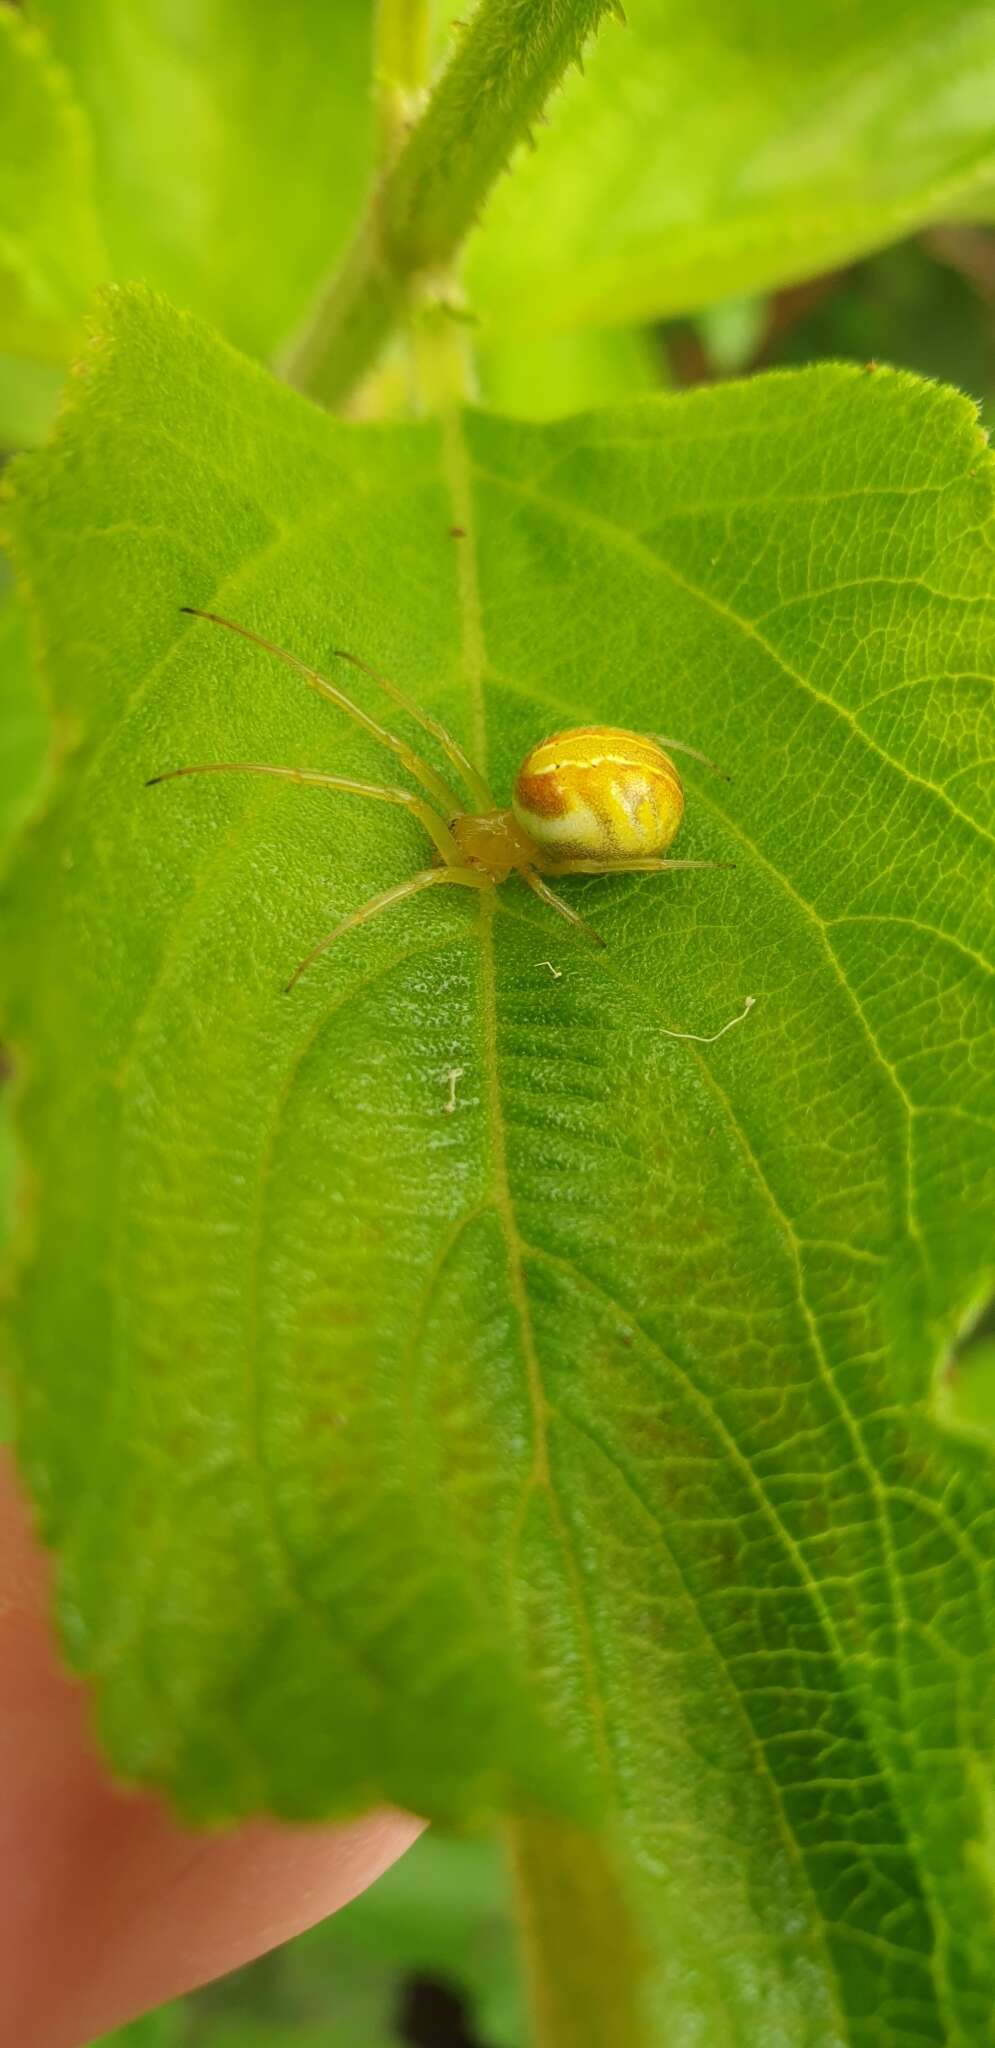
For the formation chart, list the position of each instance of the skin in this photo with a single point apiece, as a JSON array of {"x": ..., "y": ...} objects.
[{"x": 107, "y": 1905}]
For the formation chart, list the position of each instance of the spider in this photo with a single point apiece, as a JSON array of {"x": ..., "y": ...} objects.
[{"x": 594, "y": 800}]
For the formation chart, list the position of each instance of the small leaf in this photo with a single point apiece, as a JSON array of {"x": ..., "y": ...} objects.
[
  {"x": 582, "y": 1437},
  {"x": 724, "y": 148}
]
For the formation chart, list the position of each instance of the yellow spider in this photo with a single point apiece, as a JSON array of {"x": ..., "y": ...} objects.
[{"x": 594, "y": 800}]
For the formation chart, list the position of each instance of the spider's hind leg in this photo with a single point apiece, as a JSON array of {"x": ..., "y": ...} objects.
[
  {"x": 631, "y": 867},
  {"x": 548, "y": 895},
  {"x": 681, "y": 747}
]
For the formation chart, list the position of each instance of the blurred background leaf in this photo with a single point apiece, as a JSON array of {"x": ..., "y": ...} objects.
[
  {"x": 28, "y": 396},
  {"x": 554, "y": 375},
  {"x": 925, "y": 304},
  {"x": 972, "y": 1393},
  {"x": 219, "y": 150},
  {"x": 23, "y": 746},
  {"x": 23, "y": 719},
  {"x": 231, "y": 146},
  {"x": 51, "y": 253},
  {"x": 737, "y": 145}
]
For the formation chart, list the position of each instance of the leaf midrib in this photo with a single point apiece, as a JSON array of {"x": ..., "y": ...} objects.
[{"x": 457, "y": 475}]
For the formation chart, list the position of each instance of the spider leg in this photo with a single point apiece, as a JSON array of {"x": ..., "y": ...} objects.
[
  {"x": 627, "y": 867},
  {"x": 468, "y": 878},
  {"x": 436, "y": 827},
  {"x": 451, "y": 747},
  {"x": 556, "y": 903},
  {"x": 681, "y": 747},
  {"x": 440, "y": 792}
]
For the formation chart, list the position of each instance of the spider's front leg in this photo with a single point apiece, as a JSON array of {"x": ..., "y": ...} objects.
[
  {"x": 465, "y": 878},
  {"x": 451, "y": 868},
  {"x": 436, "y": 827}
]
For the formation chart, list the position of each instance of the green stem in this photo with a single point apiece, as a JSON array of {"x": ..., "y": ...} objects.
[
  {"x": 505, "y": 65},
  {"x": 442, "y": 358},
  {"x": 401, "y": 68},
  {"x": 585, "y": 1962}
]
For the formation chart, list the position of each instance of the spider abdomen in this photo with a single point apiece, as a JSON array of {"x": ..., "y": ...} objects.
[{"x": 598, "y": 793}]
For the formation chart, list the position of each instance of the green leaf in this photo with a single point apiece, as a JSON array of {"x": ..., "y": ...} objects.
[
  {"x": 166, "y": 2028},
  {"x": 50, "y": 248},
  {"x": 171, "y": 2028},
  {"x": 24, "y": 739},
  {"x": 583, "y": 1434},
  {"x": 29, "y": 394},
  {"x": 730, "y": 146},
  {"x": 24, "y": 735},
  {"x": 971, "y": 1394},
  {"x": 231, "y": 147},
  {"x": 248, "y": 2034}
]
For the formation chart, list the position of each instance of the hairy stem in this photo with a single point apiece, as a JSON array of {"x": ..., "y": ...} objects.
[{"x": 506, "y": 63}]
